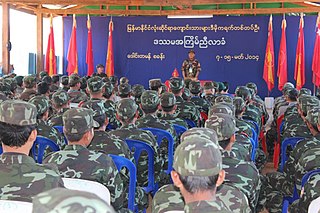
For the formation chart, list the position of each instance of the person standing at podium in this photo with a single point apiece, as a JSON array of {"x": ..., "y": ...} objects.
[{"x": 191, "y": 67}]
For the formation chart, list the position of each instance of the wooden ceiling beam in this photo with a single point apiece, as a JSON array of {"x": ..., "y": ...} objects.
[
  {"x": 148, "y": 2},
  {"x": 184, "y": 12}
]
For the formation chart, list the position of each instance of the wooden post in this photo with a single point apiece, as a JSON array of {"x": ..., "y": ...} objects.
[
  {"x": 39, "y": 42},
  {"x": 5, "y": 38}
]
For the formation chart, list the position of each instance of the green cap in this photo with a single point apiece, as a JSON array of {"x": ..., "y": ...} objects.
[
  {"x": 223, "y": 124},
  {"x": 127, "y": 108},
  {"x": 18, "y": 112},
  {"x": 312, "y": 115},
  {"x": 150, "y": 99},
  {"x": 69, "y": 201},
  {"x": 78, "y": 120},
  {"x": 97, "y": 106},
  {"x": 108, "y": 88},
  {"x": 5, "y": 88},
  {"x": 41, "y": 103},
  {"x": 304, "y": 91},
  {"x": 253, "y": 86},
  {"x": 167, "y": 99},
  {"x": 124, "y": 80},
  {"x": 29, "y": 81},
  {"x": 197, "y": 132},
  {"x": 124, "y": 89},
  {"x": 43, "y": 74},
  {"x": 186, "y": 94},
  {"x": 243, "y": 92},
  {"x": 197, "y": 156},
  {"x": 137, "y": 90},
  {"x": 95, "y": 84},
  {"x": 307, "y": 102},
  {"x": 239, "y": 104},
  {"x": 221, "y": 108},
  {"x": 74, "y": 79},
  {"x": 223, "y": 99},
  {"x": 176, "y": 84},
  {"x": 60, "y": 98},
  {"x": 195, "y": 87}
]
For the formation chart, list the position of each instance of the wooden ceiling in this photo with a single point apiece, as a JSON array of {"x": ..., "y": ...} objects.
[{"x": 164, "y": 8}]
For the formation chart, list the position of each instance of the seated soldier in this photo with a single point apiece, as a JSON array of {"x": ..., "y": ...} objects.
[
  {"x": 236, "y": 170},
  {"x": 257, "y": 101},
  {"x": 201, "y": 103},
  {"x": 137, "y": 91},
  {"x": 168, "y": 109},
  {"x": 197, "y": 173},
  {"x": 169, "y": 198},
  {"x": 156, "y": 85},
  {"x": 124, "y": 80},
  {"x": 22, "y": 178},
  {"x": 65, "y": 83},
  {"x": 60, "y": 102},
  {"x": 124, "y": 91},
  {"x": 29, "y": 84},
  {"x": 75, "y": 94},
  {"x": 209, "y": 92},
  {"x": 43, "y": 129},
  {"x": 127, "y": 114},
  {"x": 55, "y": 83},
  {"x": 76, "y": 161},
  {"x": 291, "y": 98},
  {"x": 43, "y": 89},
  {"x": 66, "y": 200}
]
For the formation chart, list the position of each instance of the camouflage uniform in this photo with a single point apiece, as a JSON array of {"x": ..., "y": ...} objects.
[
  {"x": 126, "y": 109},
  {"x": 209, "y": 90},
  {"x": 76, "y": 161},
  {"x": 21, "y": 177},
  {"x": 59, "y": 99},
  {"x": 207, "y": 162},
  {"x": 63, "y": 200},
  {"x": 28, "y": 92},
  {"x": 137, "y": 91},
  {"x": 190, "y": 67},
  {"x": 76, "y": 96},
  {"x": 241, "y": 174},
  {"x": 202, "y": 104}
]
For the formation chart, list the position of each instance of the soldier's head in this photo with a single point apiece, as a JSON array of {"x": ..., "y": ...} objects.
[
  {"x": 208, "y": 88},
  {"x": 304, "y": 91},
  {"x": 74, "y": 81},
  {"x": 42, "y": 74},
  {"x": 66, "y": 200},
  {"x": 18, "y": 122},
  {"x": 191, "y": 54},
  {"x": 29, "y": 82},
  {"x": 43, "y": 89},
  {"x": 108, "y": 90},
  {"x": 223, "y": 99},
  {"x": 149, "y": 101},
  {"x": 239, "y": 106},
  {"x": 253, "y": 86},
  {"x": 286, "y": 86},
  {"x": 127, "y": 111},
  {"x": 95, "y": 86},
  {"x": 226, "y": 87},
  {"x": 195, "y": 87},
  {"x": 307, "y": 102},
  {"x": 168, "y": 102},
  {"x": 100, "y": 68},
  {"x": 42, "y": 105},
  {"x": 78, "y": 126},
  {"x": 124, "y": 90},
  {"x": 114, "y": 80},
  {"x": 137, "y": 91},
  {"x": 221, "y": 108},
  {"x": 186, "y": 95},
  {"x": 197, "y": 167},
  {"x": 124, "y": 80},
  {"x": 19, "y": 80},
  {"x": 291, "y": 94},
  {"x": 60, "y": 99},
  {"x": 225, "y": 127},
  {"x": 244, "y": 93},
  {"x": 99, "y": 112},
  {"x": 56, "y": 79},
  {"x": 65, "y": 81},
  {"x": 176, "y": 86},
  {"x": 155, "y": 84},
  {"x": 47, "y": 79},
  {"x": 312, "y": 120}
]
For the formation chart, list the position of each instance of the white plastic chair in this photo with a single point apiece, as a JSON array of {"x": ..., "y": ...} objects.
[
  {"x": 9, "y": 206},
  {"x": 88, "y": 186},
  {"x": 314, "y": 206}
]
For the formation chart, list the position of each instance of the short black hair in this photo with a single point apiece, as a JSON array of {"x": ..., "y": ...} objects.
[
  {"x": 148, "y": 111},
  {"x": 14, "y": 135},
  {"x": 47, "y": 79},
  {"x": 194, "y": 184},
  {"x": 128, "y": 120},
  {"x": 224, "y": 143},
  {"x": 55, "y": 79},
  {"x": 226, "y": 85},
  {"x": 167, "y": 109},
  {"x": 100, "y": 119},
  {"x": 74, "y": 137},
  {"x": 42, "y": 88}
]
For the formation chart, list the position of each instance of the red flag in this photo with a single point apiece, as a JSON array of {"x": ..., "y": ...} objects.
[
  {"x": 316, "y": 55},
  {"x": 299, "y": 70},
  {"x": 268, "y": 69},
  {"x": 89, "y": 53},
  {"x": 175, "y": 73},
  {"x": 110, "y": 60},
  {"x": 282, "y": 61},
  {"x": 51, "y": 63},
  {"x": 72, "y": 50}
]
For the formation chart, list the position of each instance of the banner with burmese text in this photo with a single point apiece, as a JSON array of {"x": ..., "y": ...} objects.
[{"x": 229, "y": 48}]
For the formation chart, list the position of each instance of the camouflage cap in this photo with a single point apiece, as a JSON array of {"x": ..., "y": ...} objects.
[
  {"x": 221, "y": 108},
  {"x": 223, "y": 124},
  {"x": 313, "y": 115},
  {"x": 124, "y": 80},
  {"x": 195, "y": 87},
  {"x": 176, "y": 84},
  {"x": 253, "y": 86},
  {"x": 60, "y": 98},
  {"x": 150, "y": 99},
  {"x": 18, "y": 112},
  {"x": 239, "y": 104},
  {"x": 29, "y": 81},
  {"x": 186, "y": 94},
  {"x": 243, "y": 92},
  {"x": 137, "y": 90},
  {"x": 167, "y": 99},
  {"x": 127, "y": 108},
  {"x": 154, "y": 83},
  {"x": 197, "y": 132},
  {"x": 304, "y": 91},
  {"x": 223, "y": 99},
  {"x": 197, "y": 156},
  {"x": 108, "y": 88},
  {"x": 5, "y": 88},
  {"x": 95, "y": 84},
  {"x": 12, "y": 83},
  {"x": 287, "y": 85},
  {"x": 74, "y": 79},
  {"x": 100, "y": 65},
  {"x": 307, "y": 102},
  {"x": 69, "y": 201},
  {"x": 41, "y": 103},
  {"x": 65, "y": 80},
  {"x": 78, "y": 120},
  {"x": 113, "y": 79},
  {"x": 97, "y": 107},
  {"x": 208, "y": 85},
  {"x": 3, "y": 97},
  {"x": 124, "y": 89},
  {"x": 221, "y": 86},
  {"x": 43, "y": 74}
]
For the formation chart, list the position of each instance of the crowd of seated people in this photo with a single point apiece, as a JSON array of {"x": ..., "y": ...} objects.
[{"x": 217, "y": 159}]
